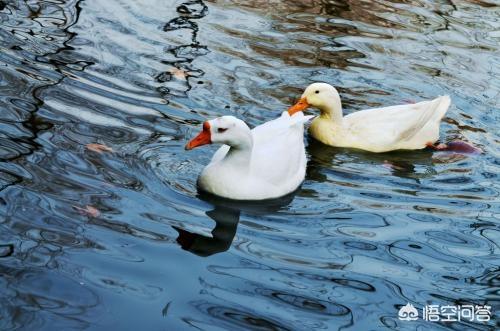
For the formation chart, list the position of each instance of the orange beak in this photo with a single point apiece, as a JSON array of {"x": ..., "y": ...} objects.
[
  {"x": 299, "y": 106},
  {"x": 203, "y": 138}
]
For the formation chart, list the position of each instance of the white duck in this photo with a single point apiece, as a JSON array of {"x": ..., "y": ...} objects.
[
  {"x": 411, "y": 126},
  {"x": 264, "y": 163}
]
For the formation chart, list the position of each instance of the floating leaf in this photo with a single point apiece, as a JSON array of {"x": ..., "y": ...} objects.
[
  {"x": 98, "y": 148},
  {"x": 88, "y": 211},
  {"x": 178, "y": 73}
]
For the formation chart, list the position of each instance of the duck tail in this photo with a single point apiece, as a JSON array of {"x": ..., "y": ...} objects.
[
  {"x": 434, "y": 112},
  {"x": 441, "y": 107},
  {"x": 297, "y": 118}
]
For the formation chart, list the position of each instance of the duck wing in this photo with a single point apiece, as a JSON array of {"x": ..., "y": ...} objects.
[
  {"x": 391, "y": 126},
  {"x": 278, "y": 153},
  {"x": 271, "y": 134},
  {"x": 433, "y": 111}
]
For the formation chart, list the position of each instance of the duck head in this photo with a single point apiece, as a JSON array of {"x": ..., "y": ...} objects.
[
  {"x": 226, "y": 130},
  {"x": 320, "y": 95}
]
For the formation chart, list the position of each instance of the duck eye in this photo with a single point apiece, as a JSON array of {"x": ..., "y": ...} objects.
[
  {"x": 317, "y": 91},
  {"x": 221, "y": 130}
]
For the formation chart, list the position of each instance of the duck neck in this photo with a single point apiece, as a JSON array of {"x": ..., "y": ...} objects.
[
  {"x": 240, "y": 154},
  {"x": 332, "y": 111}
]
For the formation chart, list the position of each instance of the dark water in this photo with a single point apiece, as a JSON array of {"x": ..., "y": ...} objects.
[{"x": 121, "y": 240}]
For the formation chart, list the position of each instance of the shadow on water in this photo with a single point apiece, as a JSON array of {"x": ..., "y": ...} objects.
[
  {"x": 399, "y": 163},
  {"x": 21, "y": 109},
  {"x": 226, "y": 214},
  {"x": 176, "y": 81},
  {"x": 103, "y": 239},
  {"x": 226, "y": 222}
]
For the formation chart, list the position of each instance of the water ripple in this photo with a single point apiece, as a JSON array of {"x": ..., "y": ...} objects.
[{"x": 120, "y": 238}]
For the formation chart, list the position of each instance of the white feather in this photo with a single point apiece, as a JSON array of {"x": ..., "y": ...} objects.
[
  {"x": 276, "y": 165},
  {"x": 411, "y": 126}
]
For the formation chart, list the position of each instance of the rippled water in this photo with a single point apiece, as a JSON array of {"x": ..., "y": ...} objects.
[{"x": 100, "y": 239}]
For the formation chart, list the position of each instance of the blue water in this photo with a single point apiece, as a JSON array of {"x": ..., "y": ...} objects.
[{"x": 121, "y": 240}]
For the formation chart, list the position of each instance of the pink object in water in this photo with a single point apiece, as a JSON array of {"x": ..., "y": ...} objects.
[
  {"x": 456, "y": 146},
  {"x": 88, "y": 211}
]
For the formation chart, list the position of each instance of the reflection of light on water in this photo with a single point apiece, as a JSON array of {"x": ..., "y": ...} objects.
[{"x": 89, "y": 237}]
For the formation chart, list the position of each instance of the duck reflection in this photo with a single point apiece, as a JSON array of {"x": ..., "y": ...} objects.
[
  {"x": 226, "y": 214},
  {"x": 402, "y": 164},
  {"x": 226, "y": 223}
]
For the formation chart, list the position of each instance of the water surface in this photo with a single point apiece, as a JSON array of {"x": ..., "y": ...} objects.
[{"x": 99, "y": 239}]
